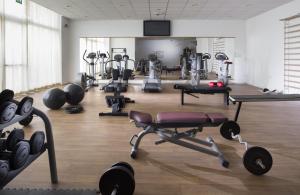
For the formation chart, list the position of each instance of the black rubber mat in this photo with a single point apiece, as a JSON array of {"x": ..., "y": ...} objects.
[{"x": 46, "y": 192}]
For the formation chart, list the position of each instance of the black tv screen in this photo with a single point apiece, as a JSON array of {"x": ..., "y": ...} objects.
[{"x": 157, "y": 28}]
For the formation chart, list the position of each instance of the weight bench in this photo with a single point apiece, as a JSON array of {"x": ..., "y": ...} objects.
[
  {"x": 167, "y": 120},
  {"x": 202, "y": 89}
]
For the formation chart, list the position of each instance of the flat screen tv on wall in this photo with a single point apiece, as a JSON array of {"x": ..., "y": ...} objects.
[{"x": 157, "y": 28}]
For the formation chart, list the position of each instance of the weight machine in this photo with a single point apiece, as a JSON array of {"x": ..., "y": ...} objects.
[{"x": 118, "y": 78}]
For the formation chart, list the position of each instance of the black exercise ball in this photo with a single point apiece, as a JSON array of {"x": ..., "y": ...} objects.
[
  {"x": 74, "y": 94},
  {"x": 54, "y": 98}
]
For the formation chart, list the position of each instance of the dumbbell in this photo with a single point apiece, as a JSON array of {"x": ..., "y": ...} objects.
[
  {"x": 216, "y": 84},
  {"x": 35, "y": 143},
  {"x": 24, "y": 108},
  {"x": 7, "y": 107},
  {"x": 14, "y": 159},
  {"x": 118, "y": 180},
  {"x": 256, "y": 160},
  {"x": 4, "y": 169}
]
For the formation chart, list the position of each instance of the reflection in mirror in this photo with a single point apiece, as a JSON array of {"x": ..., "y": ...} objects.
[{"x": 176, "y": 56}]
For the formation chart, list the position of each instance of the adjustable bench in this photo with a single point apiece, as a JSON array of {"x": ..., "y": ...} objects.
[{"x": 168, "y": 120}]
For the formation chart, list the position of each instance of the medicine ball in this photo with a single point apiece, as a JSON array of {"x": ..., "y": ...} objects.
[
  {"x": 74, "y": 94},
  {"x": 54, "y": 98}
]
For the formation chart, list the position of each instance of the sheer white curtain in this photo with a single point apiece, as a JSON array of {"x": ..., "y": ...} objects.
[
  {"x": 1, "y": 47},
  {"x": 44, "y": 46},
  {"x": 92, "y": 45},
  {"x": 31, "y": 45},
  {"x": 15, "y": 45}
]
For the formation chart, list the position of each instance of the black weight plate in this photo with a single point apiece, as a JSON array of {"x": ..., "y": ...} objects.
[
  {"x": 25, "y": 106},
  {"x": 36, "y": 142},
  {"x": 117, "y": 177},
  {"x": 25, "y": 122},
  {"x": 7, "y": 112},
  {"x": 229, "y": 127},
  {"x": 6, "y": 95},
  {"x": 125, "y": 165},
  {"x": 4, "y": 168},
  {"x": 19, "y": 155},
  {"x": 74, "y": 109},
  {"x": 13, "y": 138},
  {"x": 255, "y": 154}
]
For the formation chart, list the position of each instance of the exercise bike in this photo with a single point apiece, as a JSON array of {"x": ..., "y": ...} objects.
[
  {"x": 89, "y": 80},
  {"x": 223, "y": 70}
]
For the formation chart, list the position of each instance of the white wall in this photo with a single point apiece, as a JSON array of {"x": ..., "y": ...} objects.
[
  {"x": 65, "y": 48},
  {"x": 265, "y": 46},
  {"x": 134, "y": 28}
]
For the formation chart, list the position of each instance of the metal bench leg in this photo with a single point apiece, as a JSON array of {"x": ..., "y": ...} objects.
[{"x": 135, "y": 145}]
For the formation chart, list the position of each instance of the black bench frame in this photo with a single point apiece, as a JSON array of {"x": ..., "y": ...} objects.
[
  {"x": 177, "y": 138},
  {"x": 190, "y": 90}
]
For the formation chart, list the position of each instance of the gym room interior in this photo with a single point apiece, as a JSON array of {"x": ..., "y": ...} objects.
[{"x": 216, "y": 84}]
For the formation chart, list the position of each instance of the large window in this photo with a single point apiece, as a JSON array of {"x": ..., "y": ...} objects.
[
  {"x": 31, "y": 46},
  {"x": 292, "y": 55},
  {"x": 44, "y": 46},
  {"x": 1, "y": 47}
]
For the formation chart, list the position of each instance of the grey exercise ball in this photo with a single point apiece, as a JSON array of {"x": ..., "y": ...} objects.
[
  {"x": 74, "y": 94},
  {"x": 54, "y": 98}
]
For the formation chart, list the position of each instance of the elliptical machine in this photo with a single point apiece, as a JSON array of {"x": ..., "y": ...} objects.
[
  {"x": 88, "y": 80},
  {"x": 119, "y": 79},
  {"x": 153, "y": 82},
  {"x": 223, "y": 70}
]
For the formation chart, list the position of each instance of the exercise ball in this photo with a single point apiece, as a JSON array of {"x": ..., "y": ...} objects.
[
  {"x": 54, "y": 98},
  {"x": 74, "y": 94}
]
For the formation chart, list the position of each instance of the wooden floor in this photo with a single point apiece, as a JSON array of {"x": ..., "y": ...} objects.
[{"x": 87, "y": 145}]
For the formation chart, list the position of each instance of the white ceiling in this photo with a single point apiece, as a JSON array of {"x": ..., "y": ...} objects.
[{"x": 160, "y": 9}]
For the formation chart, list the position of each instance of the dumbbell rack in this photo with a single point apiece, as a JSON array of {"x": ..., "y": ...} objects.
[{"x": 49, "y": 145}]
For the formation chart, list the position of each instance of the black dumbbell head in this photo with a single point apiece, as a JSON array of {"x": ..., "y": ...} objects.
[
  {"x": 6, "y": 95},
  {"x": 36, "y": 142},
  {"x": 19, "y": 155},
  {"x": 25, "y": 122},
  {"x": 13, "y": 138},
  {"x": 7, "y": 111},
  {"x": 119, "y": 178},
  {"x": 4, "y": 168},
  {"x": 25, "y": 106}
]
